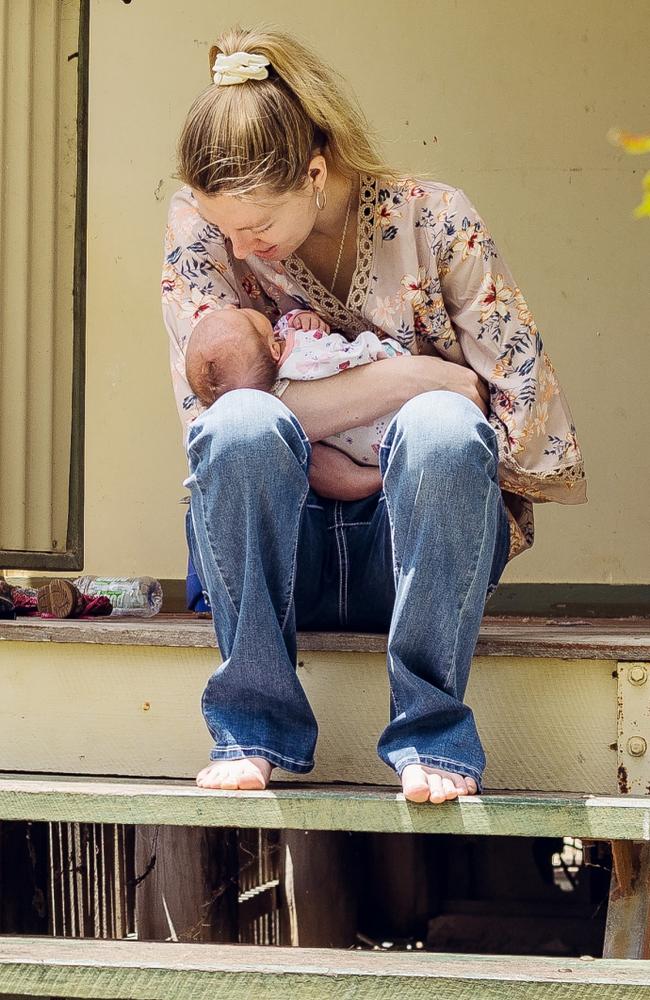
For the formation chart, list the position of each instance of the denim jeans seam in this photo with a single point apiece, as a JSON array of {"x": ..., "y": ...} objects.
[
  {"x": 193, "y": 551},
  {"x": 204, "y": 713},
  {"x": 213, "y": 553},
  {"x": 398, "y": 707},
  {"x": 461, "y": 612},
  {"x": 351, "y": 524},
  {"x": 346, "y": 579},
  {"x": 391, "y": 525},
  {"x": 284, "y": 617},
  {"x": 337, "y": 536},
  {"x": 338, "y": 550},
  {"x": 272, "y": 753},
  {"x": 391, "y": 529}
]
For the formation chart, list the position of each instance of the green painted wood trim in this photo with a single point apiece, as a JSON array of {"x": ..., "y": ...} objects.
[
  {"x": 329, "y": 807},
  {"x": 155, "y": 971}
]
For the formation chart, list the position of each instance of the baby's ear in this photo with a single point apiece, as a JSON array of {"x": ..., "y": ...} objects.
[{"x": 275, "y": 348}]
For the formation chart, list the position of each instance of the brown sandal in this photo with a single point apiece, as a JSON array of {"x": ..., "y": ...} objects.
[{"x": 58, "y": 598}]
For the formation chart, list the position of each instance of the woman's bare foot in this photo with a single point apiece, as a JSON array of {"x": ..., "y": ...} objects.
[
  {"x": 251, "y": 773},
  {"x": 421, "y": 783}
]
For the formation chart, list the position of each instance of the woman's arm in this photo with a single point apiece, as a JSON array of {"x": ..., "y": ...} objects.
[
  {"x": 334, "y": 474},
  {"x": 539, "y": 454},
  {"x": 360, "y": 395}
]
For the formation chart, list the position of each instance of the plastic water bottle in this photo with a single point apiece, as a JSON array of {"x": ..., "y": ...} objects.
[{"x": 138, "y": 597}]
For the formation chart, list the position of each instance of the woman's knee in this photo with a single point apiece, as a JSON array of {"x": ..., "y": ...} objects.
[
  {"x": 244, "y": 423},
  {"x": 443, "y": 423}
]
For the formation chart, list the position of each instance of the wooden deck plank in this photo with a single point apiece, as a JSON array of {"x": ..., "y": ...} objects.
[
  {"x": 620, "y": 638},
  {"x": 155, "y": 971},
  {"x": 326, "y": 807}
]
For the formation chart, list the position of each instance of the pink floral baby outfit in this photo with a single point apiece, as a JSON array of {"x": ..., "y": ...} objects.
[{"x": 312, "y": 354}]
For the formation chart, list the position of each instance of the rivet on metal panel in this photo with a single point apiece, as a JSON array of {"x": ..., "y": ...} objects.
[
  {"x": 636, "y": 746},
  {"x": 638, "y": 674}
]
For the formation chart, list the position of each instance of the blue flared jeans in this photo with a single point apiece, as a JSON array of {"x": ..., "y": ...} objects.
[{"x": 416, "y": 560}]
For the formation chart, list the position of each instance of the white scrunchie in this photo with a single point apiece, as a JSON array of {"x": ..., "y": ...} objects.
[{"x": 238, "y": 67}]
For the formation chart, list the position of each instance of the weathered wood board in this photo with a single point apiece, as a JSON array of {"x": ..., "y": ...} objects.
[
  {"x": 153, "y": 971},
  {"x": 608, "y": 638},
  {"x": 328, "y": 807},
  {"x": 78, "y": 708}
]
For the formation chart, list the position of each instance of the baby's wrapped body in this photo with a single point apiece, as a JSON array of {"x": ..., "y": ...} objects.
[
  {"x": 238, "y": 348},
  {"x": 312, "y": 354}
]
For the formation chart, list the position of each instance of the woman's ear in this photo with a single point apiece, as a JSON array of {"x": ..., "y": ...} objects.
[
  {"x": 317, "y": 169},
  {"x": 275, "y": 348}
]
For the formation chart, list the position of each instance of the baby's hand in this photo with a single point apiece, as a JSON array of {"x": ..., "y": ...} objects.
[{"x": 309, "y": 321}]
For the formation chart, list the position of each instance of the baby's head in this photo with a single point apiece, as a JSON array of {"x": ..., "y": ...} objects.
[{"x": 231, "y": 349}]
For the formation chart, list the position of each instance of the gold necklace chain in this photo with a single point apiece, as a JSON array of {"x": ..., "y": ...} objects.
[{"x": 345, "y": 229}]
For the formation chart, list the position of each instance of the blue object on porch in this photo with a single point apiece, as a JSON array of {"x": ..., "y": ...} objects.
[{"x": 196, "y": 597}]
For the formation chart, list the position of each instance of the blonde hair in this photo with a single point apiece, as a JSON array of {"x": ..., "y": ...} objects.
[{"x": 263, "y": 133}]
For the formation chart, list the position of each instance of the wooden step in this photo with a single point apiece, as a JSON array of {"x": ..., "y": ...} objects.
[
  {"x": 607, "y": 638},
  {"x": 120, "y": 697},
  {"x": 509, "y": 814},
  {"x": 117, "y": 969}
]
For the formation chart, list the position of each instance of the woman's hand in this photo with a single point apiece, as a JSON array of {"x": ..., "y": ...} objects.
[
  {"x": 334, "y": 475},
  {"x": 455, "y": 378}
]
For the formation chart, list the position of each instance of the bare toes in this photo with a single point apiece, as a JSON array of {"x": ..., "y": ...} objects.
[
  {"x": 436, "y": 791},
  {"x": 461, "y": 784},
  {"x": 252, "y": 779},
  {"x": 449, "y": 788},
  {"x": 249, "y": 773},
  {"x": 414, "y": 783},
  {"x": 422, "y": 783},
  {"x": 203, "y": 777},
  {"x": 229, "y": 779}
]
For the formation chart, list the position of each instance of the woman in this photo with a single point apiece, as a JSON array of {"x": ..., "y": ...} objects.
[{"x": 287, "y": 205}]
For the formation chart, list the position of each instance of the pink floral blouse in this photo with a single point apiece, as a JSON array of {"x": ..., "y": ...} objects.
[{"x": 429, "y": 274}]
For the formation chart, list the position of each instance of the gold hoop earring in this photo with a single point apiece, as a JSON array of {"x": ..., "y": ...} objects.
[{"x": 321, "y": 200}]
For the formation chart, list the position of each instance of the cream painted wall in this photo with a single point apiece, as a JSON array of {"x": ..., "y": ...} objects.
[{"x": 509, "y": 100}]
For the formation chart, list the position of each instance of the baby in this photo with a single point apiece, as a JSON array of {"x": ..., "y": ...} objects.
[{"x": 240, "y": 349}]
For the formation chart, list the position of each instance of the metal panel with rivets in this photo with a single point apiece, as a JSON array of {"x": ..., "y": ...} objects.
[{"x": 633, "y": 728}]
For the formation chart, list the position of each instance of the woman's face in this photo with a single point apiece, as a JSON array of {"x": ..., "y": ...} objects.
[{"x": 270, "y": 226}]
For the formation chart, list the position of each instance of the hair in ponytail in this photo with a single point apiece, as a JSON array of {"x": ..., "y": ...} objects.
[{"x": 262, "y": 133}]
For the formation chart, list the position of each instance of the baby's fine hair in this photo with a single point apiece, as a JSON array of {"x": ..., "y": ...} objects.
[
  {"x": 263, "y": 133},
  {"x": 215, "y": 378}
]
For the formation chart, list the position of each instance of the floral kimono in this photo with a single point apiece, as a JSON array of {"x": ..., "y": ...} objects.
[{"x": 428, "y": 274}]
